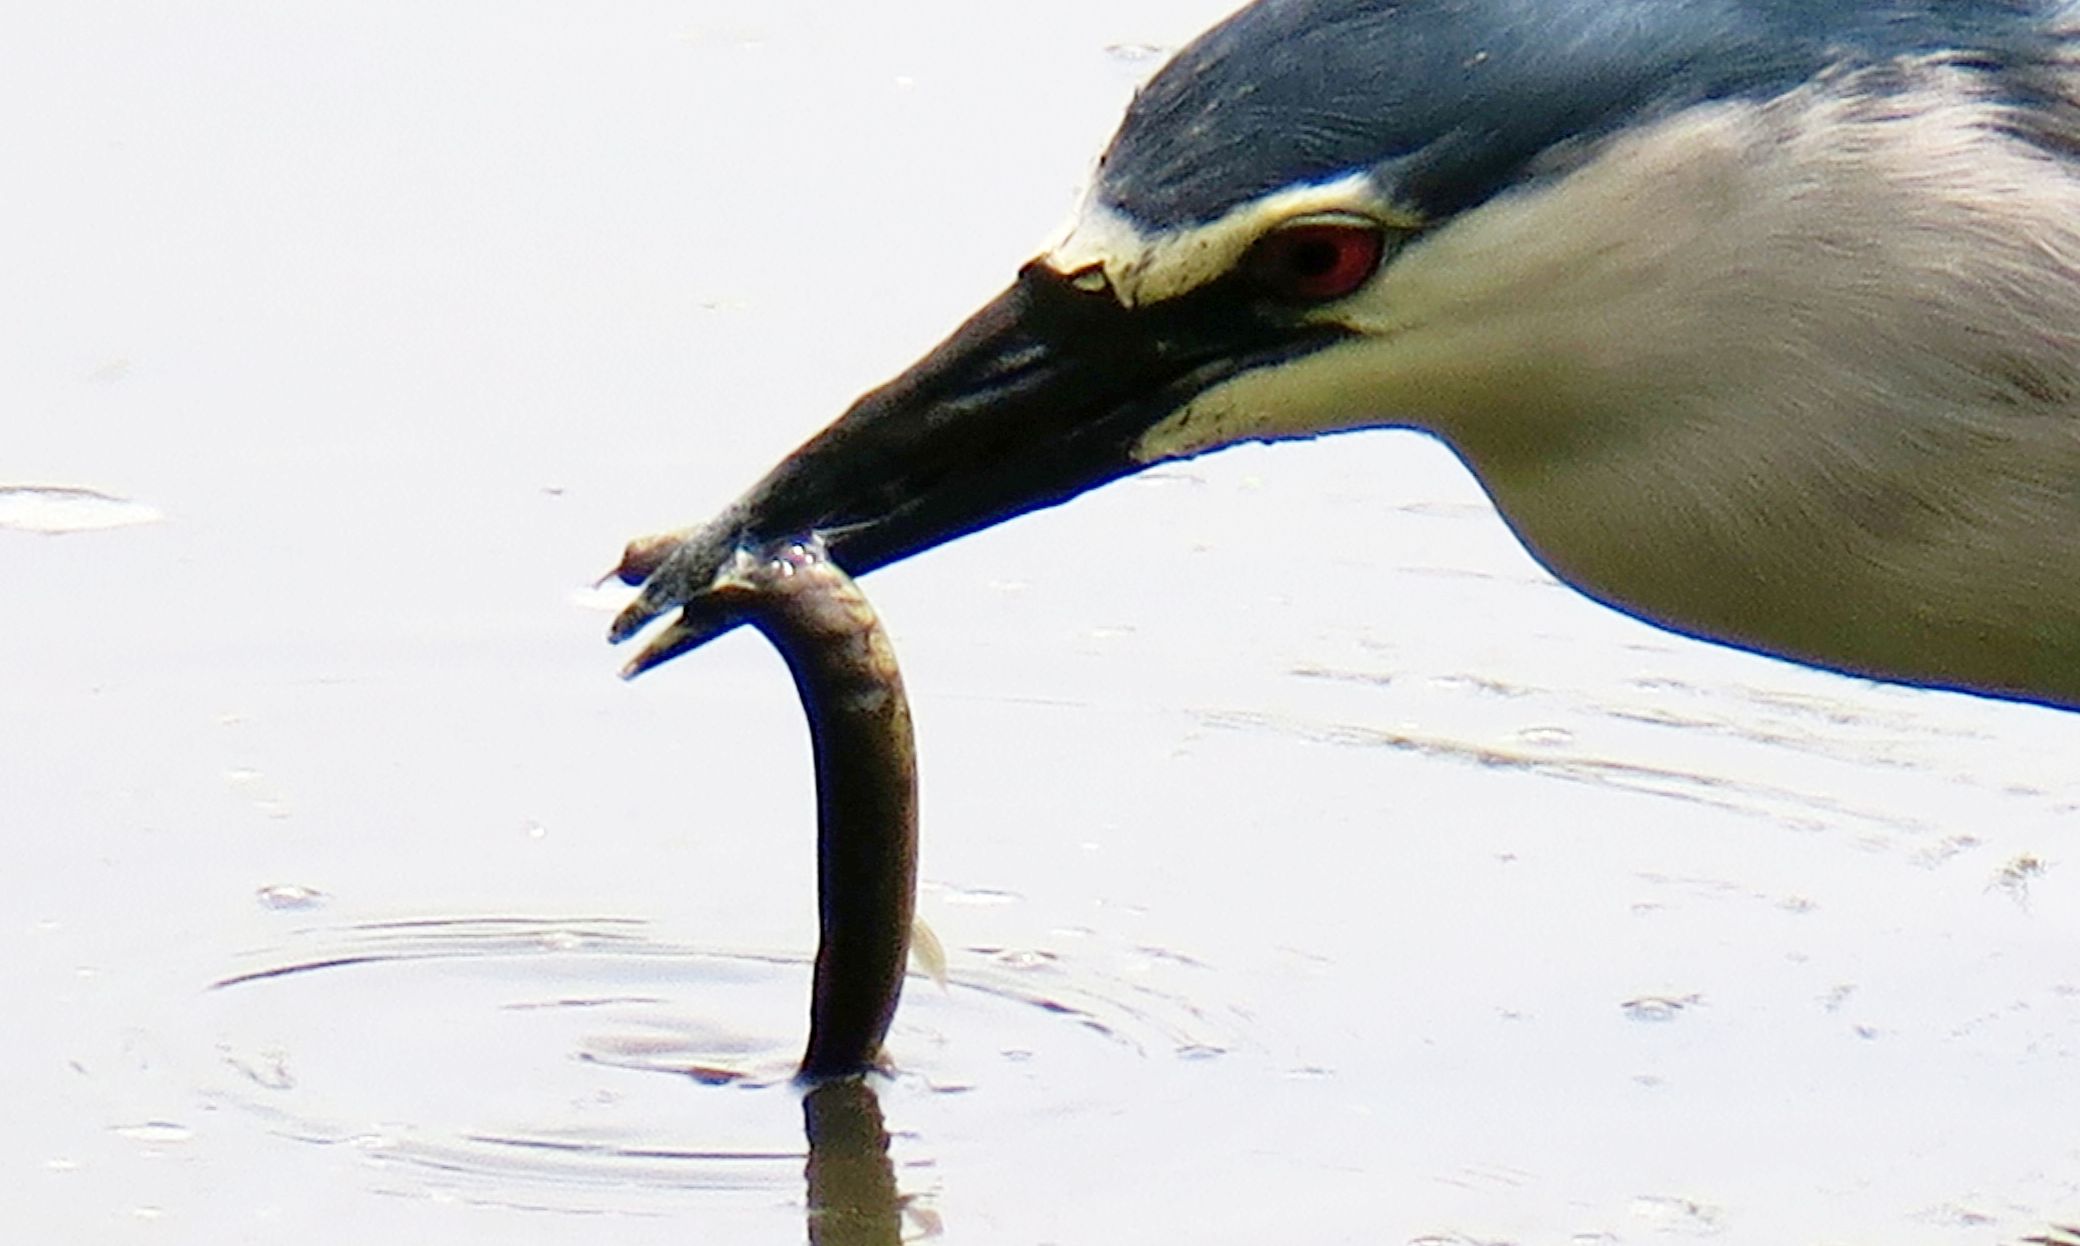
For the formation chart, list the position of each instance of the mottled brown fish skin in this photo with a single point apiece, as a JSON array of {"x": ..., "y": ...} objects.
[
  {"x": 641, "y": 558},
  {"x": 866, "y": 792}
]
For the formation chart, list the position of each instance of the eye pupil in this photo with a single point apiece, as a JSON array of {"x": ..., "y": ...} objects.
[
  {"x": 1316, "y": 262},
  {"x": 1313, "y": 257}
]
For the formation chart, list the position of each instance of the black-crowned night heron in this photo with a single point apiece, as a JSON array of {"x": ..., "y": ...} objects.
[{"x": 1757, "y": 319}]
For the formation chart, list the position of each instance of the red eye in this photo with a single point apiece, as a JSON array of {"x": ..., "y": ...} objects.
[{"x": 1314, "y": 263}]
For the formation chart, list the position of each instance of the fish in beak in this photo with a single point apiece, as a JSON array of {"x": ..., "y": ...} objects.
[{"x": 1047, "y": 391}]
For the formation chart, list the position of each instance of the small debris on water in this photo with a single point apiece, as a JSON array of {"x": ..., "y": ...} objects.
[
  {"x": 268, "y": 1070},
  {"x": 290, "y": 897},
  {"x": 2014, "y": 877},
  {"x": 1136, "y": 53},
  {"x": 715, "y": 1075},
  {"x": 1659, "y": 1007},
  {"x": 160, "y": 1132},
  {"x": 980, "y": 897},
  {"x": 58, "y": 509},
  {"x": 1020, "y": 958},
  {"x": 1678, "y": 1215}
]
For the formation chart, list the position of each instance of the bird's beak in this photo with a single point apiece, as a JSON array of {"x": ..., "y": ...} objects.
[{"x": 1041, "y": 395}]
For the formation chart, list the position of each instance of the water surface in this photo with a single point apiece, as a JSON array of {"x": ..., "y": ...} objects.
[{"x": 1312, "y": 868}]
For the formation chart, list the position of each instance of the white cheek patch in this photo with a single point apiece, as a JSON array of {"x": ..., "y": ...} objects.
[
  {"x": 1335, "y": 388},
  {"x": 1215, "y": 418}
]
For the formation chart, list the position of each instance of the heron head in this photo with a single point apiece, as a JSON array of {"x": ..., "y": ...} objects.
[{"x": 1288, "y": 205}]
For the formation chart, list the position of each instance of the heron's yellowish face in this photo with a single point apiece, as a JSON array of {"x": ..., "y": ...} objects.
[{"x": 1321, "y": 250}]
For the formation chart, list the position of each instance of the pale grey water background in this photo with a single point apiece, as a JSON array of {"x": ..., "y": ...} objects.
[{"x": 1313, "y": 869}]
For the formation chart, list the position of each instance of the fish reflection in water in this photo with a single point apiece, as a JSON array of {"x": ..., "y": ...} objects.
[{"x": 853, "y": 1199}]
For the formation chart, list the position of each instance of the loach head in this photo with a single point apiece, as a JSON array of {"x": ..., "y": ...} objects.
[{"x": 1256, "y": 234}]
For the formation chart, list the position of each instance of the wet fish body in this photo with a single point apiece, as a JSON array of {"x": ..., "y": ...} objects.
[{"x": 845, "y": 672}]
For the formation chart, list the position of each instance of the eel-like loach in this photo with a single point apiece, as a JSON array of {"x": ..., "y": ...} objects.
[{"x": 866, "y": 789}]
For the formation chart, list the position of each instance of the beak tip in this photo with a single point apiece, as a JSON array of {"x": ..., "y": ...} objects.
[{"x": 667, "y": 644}]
